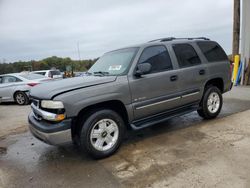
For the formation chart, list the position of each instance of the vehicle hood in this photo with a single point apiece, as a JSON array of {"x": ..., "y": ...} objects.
[{"x": 50, "y": 89}]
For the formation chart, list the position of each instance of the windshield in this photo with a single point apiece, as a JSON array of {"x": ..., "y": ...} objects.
[{"x": 114, "y": 63}]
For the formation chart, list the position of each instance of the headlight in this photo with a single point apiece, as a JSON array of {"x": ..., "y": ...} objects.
[{"x": 52, "y": 104}]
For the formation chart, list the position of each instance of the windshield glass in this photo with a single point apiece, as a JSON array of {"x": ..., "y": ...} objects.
[{"x": 114, "y": 63}]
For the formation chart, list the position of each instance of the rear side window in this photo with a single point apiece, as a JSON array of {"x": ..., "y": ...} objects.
[
  {"x": 10, "y": 79},
  {"x": 158, "y": 57},
  {"x": 212, "y": 51},
  {"x": 186, "y": 55}
]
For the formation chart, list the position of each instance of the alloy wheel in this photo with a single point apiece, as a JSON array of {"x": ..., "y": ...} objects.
[{"x": 104, "y": 134}]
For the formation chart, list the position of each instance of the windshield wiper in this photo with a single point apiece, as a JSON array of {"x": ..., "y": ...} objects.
[{"x": 103, "y": 73}]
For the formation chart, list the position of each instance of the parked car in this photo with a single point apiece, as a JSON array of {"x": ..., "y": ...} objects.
[
  {"x": 131, "y": 88},
  {"x": 55, "y": 74},
  {"x": 16, "y": 87},
  {"x": 80, "y": 74}
]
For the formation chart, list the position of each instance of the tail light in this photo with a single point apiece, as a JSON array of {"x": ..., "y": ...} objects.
[{"x": 32, "y": 84}]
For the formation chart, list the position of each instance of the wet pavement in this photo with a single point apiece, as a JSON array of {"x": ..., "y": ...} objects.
[{"x": 182, "y": 152}]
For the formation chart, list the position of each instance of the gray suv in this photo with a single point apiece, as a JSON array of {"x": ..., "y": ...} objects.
[{"x": 131, "y": 88}]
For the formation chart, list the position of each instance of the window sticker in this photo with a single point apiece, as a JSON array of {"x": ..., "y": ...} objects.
[{"x": 115, "y": 67}]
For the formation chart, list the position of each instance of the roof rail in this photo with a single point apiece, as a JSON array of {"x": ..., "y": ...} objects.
[
  {"x": 173, "y": 38},
  {"x": 163, "y": 39}
]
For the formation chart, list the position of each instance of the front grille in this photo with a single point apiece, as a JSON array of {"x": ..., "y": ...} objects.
[{"x": 35, "y": 102}]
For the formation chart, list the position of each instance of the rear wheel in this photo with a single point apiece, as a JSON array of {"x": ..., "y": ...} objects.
[
  {"x": 102, "y": 133},
  {"x": 21, "y": 98},
  {"x": 211, "y": 103}
]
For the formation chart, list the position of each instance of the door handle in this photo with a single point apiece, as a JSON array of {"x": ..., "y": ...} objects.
[
  {"x": 173, "y": 78},
  {"x": 202, "y": 72}
]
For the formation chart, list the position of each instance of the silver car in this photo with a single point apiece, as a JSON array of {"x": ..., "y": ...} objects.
[{"x": 16, "y": 87}]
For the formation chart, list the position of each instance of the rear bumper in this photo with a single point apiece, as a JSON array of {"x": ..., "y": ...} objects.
[
  {"x": 51, "y": 133},
  {"x": 231, "y": 85}
]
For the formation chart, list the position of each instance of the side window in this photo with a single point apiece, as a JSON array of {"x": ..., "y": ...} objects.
[
  {"x": 158, "y": 57},
  {"x": 212, "y": 51},
  {"x": 9, "y": 79},
  {"x": 186, "y": 55}
]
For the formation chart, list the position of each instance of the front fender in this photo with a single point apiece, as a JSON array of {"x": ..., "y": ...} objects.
[{"x": 77, "y": 100}]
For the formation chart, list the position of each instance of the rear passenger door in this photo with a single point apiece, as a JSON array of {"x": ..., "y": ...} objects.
[
  {"x": 193, "y": 72},
  {"x": 156, "y": 91}
]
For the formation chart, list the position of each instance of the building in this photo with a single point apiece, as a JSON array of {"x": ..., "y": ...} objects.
[{"x": 245, "y": 34}]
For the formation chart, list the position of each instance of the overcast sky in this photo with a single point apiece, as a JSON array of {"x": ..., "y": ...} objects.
[{"x": 35, "y": 29}]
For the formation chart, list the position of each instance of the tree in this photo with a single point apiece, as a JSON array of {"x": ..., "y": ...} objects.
[{"x": 45, "y": 64}]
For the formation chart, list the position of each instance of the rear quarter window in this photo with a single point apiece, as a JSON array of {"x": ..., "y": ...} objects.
[{"x": 212, "y": 51}]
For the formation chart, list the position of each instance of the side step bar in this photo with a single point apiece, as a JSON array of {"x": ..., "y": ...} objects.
[{"x": 158, "y": 118}]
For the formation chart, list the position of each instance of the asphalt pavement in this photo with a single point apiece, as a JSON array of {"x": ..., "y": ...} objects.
[{"x": 183, "y": 152}]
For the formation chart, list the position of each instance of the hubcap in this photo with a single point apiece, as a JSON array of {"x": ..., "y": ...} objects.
[
  {"x": 104, "y": 134},
  {"x": 213, "y": 102},
  {"x": 20, "y": 98}
]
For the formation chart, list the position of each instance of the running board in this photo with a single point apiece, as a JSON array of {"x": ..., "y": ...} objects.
[{"x": 158, "y": 118}]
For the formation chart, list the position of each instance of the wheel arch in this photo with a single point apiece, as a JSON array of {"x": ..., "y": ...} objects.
[
  {"x": 218, "y": 82},
  {"x": 18, "y": 90},
  {"x": 23, "y": 91},
  {"x": 115, "y": 105}
]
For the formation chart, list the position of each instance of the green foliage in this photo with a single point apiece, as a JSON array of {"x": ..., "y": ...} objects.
[{"x": 45, "y": 64}]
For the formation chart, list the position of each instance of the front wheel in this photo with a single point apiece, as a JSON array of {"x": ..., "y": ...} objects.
[
  {"x": 102, "y": 133},
  {"x": 211, "y": 103},
  {"x": 21, "y": 98}
]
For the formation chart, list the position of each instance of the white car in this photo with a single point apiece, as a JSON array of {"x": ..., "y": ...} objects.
[
  {"x": 56, "y": 74},
  {"x": 16, "y": 87}
]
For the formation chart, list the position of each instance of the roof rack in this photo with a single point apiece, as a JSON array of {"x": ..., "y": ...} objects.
[{"x": 173, "y": 38}]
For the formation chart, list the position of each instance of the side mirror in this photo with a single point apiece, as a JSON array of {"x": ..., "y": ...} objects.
[{"x": 143, "y": 68}]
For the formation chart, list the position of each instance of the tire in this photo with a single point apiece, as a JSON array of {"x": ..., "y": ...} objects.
[
  {"x": 211, "y": 103},
  {"x": 102, "y": 133},
  {"x": 21, "y": 98}
]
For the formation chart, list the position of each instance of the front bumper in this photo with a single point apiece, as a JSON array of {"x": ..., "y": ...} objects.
[{"x": 51, "y": 133}]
